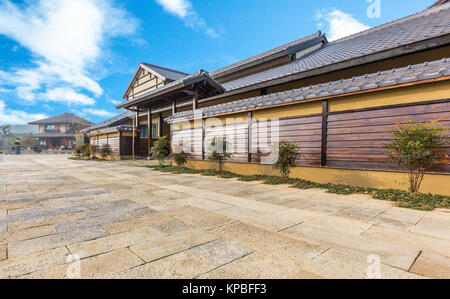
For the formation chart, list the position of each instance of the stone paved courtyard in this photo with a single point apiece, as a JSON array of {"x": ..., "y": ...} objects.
[{"x": 124, "y": 221}]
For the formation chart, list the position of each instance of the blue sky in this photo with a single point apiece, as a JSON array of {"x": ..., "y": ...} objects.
[{"x": 79, "y": 55}]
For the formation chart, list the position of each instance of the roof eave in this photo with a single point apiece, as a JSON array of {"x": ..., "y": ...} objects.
[{"x": 391, "y": 53}]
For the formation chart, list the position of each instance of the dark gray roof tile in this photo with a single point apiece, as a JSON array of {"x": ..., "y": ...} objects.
[{"x": 413, "y": 73}]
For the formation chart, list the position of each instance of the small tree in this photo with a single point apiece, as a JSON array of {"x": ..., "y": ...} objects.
[
  {"x": 179, "y": 158},
  {"x": 161, "y": 149},
  {"x": 288, "y": 153},
  {"x": 4, "y": 132},
  {"x": 105, "y": 150},
  {"x": 414, "y": 148},
  {"x": 218, "y": 151}
]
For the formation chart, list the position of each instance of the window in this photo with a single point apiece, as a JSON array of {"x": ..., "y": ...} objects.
[
  {"x": 50, "y": 127},
  {"x": 154, "y": 130},
  {"x": 143, "y": 131}
]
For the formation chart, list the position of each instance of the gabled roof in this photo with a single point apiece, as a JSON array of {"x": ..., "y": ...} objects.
[
  {"x": 165, "y": 74},
  {"x": 65, "y": 118},
  {"x": 275, "y": 53},
  {"x": 431, "y": 23},
  {"x": 211, "y": 86},
  {"x": 111, "y": 122},
  {"x": 415, "y": 74}
]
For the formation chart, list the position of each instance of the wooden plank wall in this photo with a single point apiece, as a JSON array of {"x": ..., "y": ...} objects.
[
  {"x": 356, "y": 138},
  {"x": 190, "y": 140},
  {"x": 237, "y": 140}
]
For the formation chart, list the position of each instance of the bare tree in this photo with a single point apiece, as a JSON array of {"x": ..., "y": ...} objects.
[{"x": 4, "y": 132}]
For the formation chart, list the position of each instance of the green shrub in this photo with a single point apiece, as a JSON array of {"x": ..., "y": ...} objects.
[
  {"x": 161, "y": 149},
  {"x": 414, "y": 146},
  {"x": 83, "y": 150},
  {"x": 180, "y": 159},
  {"x": 105, "y": 150},
  {"x": 288, "y": 153},
  {"x": 218, "y": 150}
]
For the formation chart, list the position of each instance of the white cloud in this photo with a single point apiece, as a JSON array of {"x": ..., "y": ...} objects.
[
  {"x": 67, "y": 39},
  {"x": 184, "y": 10},
  {"x": 17, "y": 117},
  {"x": 67, "y": 96},
  {"x": 98, "y": 112},
  {"x": 115, "y": 102},
  {"x": 340, "y": 24}
]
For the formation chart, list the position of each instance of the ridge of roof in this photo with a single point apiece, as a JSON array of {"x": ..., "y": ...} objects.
[
  {"x": 163, "y": 68},
  {"x": 384, "y": 79},
  {"x": 266, "y": 53},
  {"x": 110, "y": 121},
  {"x": 62, "y": 118}
]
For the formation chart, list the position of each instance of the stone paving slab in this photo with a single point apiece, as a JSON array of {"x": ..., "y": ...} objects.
[
  {"x": 269, "y": 242},
  {"x": 130, "y": 222},
  {"x": 222, "y": 251},
  {"x": 434, "y": 224},
  {"x": 339, "y": 265},
  {"x": 260, "y": 266},
  {"x": 409, "y": 240},
  {"x": 183, "y": 265},
  {"x": 432, "y": 265},
  {"x": 201, "y": 218},
  {"x": 26, "y": 247},
  {"x": 30, "y": 233},
  {"x": 172, "y": 244},
  {"x": 49, "y": 220},
  {"x": 398, "y": 217},
  {"x": 390, "y": 253},
  {"x": 3, "y": 252},
  {"x": 113, "y": 242},
  {"x": 22, "y": 265},
  {"x": 100, "y": 266}
]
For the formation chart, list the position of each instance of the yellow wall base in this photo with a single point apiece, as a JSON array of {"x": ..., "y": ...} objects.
[{"x": 433, "y": 183}]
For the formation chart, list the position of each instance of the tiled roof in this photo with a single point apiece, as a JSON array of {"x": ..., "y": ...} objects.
[
  {"x": 202, "y": 74},
  {"x": 170, "y": 74},
  {"x": 433, "y": 22},
  {"x": 66, "y": 118},
  {"x": 279, "y": 49},
  {"x": 116, "y": 120},
  {"x": 416, "y": 73},
  {"x": 53, "y": 135},
  {"x": 112, "y": 130}
]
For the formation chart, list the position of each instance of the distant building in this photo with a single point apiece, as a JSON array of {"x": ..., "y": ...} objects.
[{"x": 59, "y": 131}]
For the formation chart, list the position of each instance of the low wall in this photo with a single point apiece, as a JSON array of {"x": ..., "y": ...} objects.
[{"x": 433, "y": 183}]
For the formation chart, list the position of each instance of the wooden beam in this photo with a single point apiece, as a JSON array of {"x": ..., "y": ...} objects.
[
  {"x": 149, "y": 131},
  {"x": 174, "y": 107},
  {"x": 195, "y": 100},
  {"x": 324, "y": 133}
]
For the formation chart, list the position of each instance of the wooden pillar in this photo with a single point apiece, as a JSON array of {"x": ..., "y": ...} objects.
[
  {"x": 174, "y": 107},
  {"x": 324, "y": 133},
  {"x": 161, "y": 124},
  {"x": 149, "y": 129},
  {"x": 195, "y": 100},
  {"x": 249, "y": 144},
  {"x": 203, "y": 138}
]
